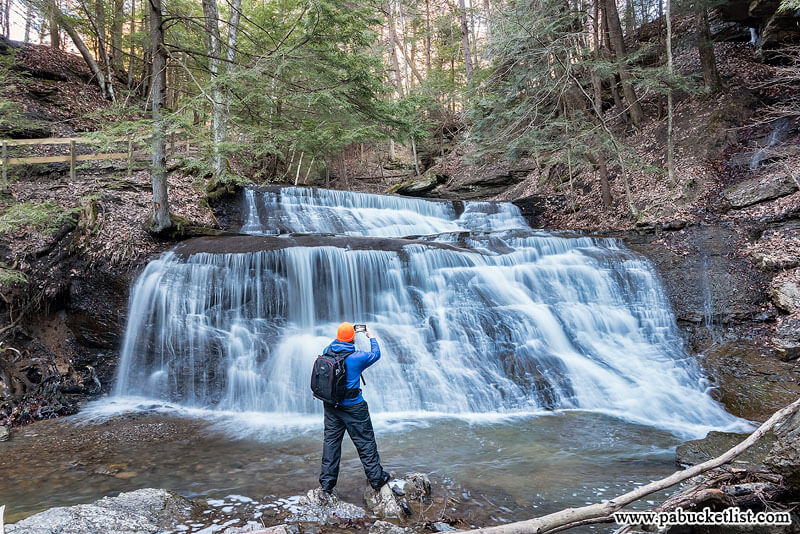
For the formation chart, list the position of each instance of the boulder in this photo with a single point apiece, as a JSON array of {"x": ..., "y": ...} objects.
[
  {"x": 785, "y": 291},
  {"x": 716, "y": 443},
  {"x": 420, "y": 186},
  {"x": 384, "y": 527},
  {"x": 318, "y": 506},
  {"x": 382, "y": 503},
  {"x": 784, "y": 457},
  {"x": 787, "y": 338},
  {"x": 5, "y": 433},
  {"x": 760, "y": 189},
  {"x": 142, "y": 511},
  {"x": 417, "y": 485}
]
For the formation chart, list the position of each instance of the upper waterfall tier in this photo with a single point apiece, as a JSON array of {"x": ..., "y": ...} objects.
[
  {"x": 305, "y": 210},
  {"x": 484, "y": 316}
]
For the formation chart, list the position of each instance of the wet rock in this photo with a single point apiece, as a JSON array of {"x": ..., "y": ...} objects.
[
  {"x": 417, "y": 485},
  {"x": 784, "y": 457},
  {"x": 382, "y": 503},
  {"x": 384, "y": 527},
  {"x": 785, "y": 292},
  {"x": 441, "y": 526},
  {"x": 318, "y": 506},
  {"x": 716, "y": 443},
  {"x": 142, "y": 512},
  {"x": 760, "y": 189},
  {"x": 749, "y": 381},
  {"x": 5, "y": 433},
  {"x": 398, "y": 487},
  {"x": 787, "y": 339}
]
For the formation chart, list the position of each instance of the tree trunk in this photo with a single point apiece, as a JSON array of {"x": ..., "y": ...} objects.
[
  {"x": 52, "y": 24},
  {"x": 147, "y": 63},
  {"x": 393, "y": 41},
  {"x": 670, "y": 137},
  {"x": 428, "y": 37},
  {"x": 59, "y": 20},
  {"x": 28, "y": 19},
  {"x": 160, "y": 220},
  {"x": 117, "y": 59},
  {"x": 214, "y": 49},
  {"x": 465, "y": 40},
  {"x": 7, "y": 20},
  {"x": 132, "y": 49},
  {"x": 100, "y": 29},
  {"x": 711, "y": 77},
  {"x": 611, "y": 16},
  {"x": 230, "y": 55}
]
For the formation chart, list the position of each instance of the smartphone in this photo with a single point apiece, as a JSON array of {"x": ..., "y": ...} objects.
[{"x": 360, "y": 327}]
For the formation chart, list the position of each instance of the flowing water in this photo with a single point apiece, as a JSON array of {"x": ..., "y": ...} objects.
[
  {"x": 477, "y": 315},
  {"x": 526, "y": 371}
]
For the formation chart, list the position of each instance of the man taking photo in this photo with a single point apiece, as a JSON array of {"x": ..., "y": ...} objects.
[{"x": 348, "y": 411}]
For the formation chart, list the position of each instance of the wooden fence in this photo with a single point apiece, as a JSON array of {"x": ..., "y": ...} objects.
[{"x": 73, "y": 157}]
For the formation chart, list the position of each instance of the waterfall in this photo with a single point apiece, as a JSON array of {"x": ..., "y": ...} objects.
[
  {"x": 476, "y": 314},
  {"x": 778, "y": 133}
]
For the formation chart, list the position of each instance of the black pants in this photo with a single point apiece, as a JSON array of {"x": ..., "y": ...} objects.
[{"x": 355, "y": 419}]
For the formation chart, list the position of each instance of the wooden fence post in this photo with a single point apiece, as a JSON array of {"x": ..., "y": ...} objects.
[
  {"x": 130, "y": 156},
  {"x": 72, "y": 160},
  {"x": 5, "y": 165}
]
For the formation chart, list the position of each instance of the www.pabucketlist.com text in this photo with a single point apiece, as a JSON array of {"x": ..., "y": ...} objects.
[{"x": 707, "y": 516}]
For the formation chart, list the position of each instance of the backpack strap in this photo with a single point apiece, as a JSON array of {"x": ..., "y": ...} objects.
[{"x": 350, "y": 393}]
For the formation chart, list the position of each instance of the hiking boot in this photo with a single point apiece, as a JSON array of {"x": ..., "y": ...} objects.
[{"x": 384, "y": 479}]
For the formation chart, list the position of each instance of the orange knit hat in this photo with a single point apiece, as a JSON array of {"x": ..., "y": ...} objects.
[{"x": 345, "y": 332}]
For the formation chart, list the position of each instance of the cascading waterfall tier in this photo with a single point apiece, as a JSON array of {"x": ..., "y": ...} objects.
[{"x": 476, "y": 313}]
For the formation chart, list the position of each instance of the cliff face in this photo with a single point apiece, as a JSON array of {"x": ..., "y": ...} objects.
[{"x": 771, "y": 26}]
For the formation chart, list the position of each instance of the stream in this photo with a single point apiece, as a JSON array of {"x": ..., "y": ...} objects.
[{"x": 524, "y": 371}]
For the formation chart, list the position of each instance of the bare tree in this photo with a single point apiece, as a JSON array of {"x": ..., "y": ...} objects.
[
  {"x": 465, "y": 39},
  {"x": 705, "y": 47},
  {"x": 52, "y": 24},
  {"x": 28, "y": 21},
  {"x": 160, "y": 219},
  {"x": 617, "y": 41},
  {"x": 670, "y": 136},
  {"x": 220, "y": 97}
]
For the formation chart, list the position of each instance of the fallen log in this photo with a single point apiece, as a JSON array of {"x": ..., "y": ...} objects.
[
  {"x": 602, "y": 512},
  {"x": 730, "y": 487}
]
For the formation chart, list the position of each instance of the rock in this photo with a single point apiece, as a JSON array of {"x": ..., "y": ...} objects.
[
  {"x": 785, "y": 292},
  {"x": 417, "y": 485},
  {"x": 382, "y": 503},
  {"x": 320, "y": 507},
  {"x": 784, "y": 457},
  {"x": 420, "y": 186},
  {"x": 760, "y": 189},
  {"x": 5, "y": 433},
  {"x": 398, "y": 487},
  {"x": 441, "y": 526},
  {"x": 716, "y": 443},
  {"x": 142, "y": 511},
  {"x": 787, "y": 338},
  {"x": 384, "y": 527}
]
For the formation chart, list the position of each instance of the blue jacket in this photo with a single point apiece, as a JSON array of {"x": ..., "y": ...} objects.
[{"x": 356, "y": 363}]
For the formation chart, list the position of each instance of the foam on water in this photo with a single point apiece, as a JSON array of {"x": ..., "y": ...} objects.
[{"x": 512, "y": 323}]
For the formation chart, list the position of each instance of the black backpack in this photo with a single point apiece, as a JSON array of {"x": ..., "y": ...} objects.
[{"x": 329, "y": 378}]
